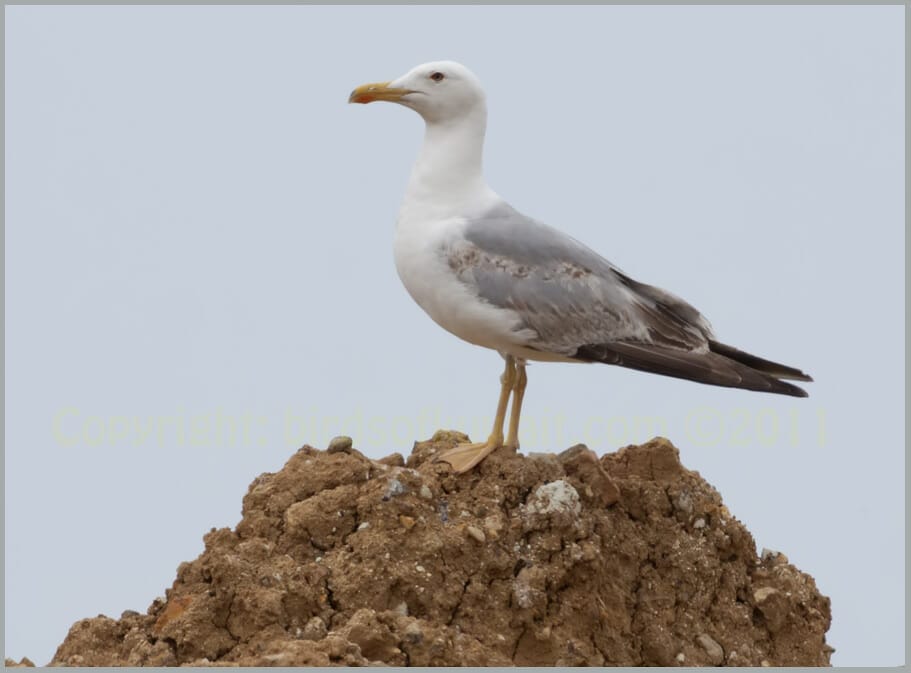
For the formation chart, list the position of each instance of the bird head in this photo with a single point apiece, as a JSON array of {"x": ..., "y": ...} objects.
[{"x": 440, "y": 91}]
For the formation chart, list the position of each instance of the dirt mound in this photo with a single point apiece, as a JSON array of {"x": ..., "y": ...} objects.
[{"x": 541, "y": 559}]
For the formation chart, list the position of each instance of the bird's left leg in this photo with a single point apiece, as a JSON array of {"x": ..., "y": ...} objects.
[
  {"x": 518, "y": 392},
  {"x": 465, "y": 456}
]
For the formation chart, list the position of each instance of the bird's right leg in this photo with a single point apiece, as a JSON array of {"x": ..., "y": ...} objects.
[{"x": 463, "y": 457}]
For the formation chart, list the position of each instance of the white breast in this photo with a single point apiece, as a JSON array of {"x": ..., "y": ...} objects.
[{"x": 450, "y": 303}]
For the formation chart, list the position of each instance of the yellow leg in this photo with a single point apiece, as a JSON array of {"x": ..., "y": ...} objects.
[
  {"x": 512, "y": 439},
  {"x": 465, "y": 456}
]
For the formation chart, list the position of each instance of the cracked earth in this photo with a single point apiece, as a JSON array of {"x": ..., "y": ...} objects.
[{"x": 567, "y": 559}]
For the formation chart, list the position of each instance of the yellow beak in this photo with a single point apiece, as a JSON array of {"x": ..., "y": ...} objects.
[{"x": 368, "y": 93}]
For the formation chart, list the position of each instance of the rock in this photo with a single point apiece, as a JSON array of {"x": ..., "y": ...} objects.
[
  {"x": 714, "y": 651},
  {"x": 659, "y": 462},
  {"x": 683, "y": 503},
  {"x": 314, "y": 630},
  {"x": 476, "y": 534},
  {"x": 557, "y": 497},
  {"x": 340, "y": 444},
  {"x": 529, "y": 588},
  {"x": 374, "y": 638},
  {"x": 393, "y": 488},
  {"x": 772, "y": 556},
  {"x": 761, "y": 594},
  {"x": 567, "y": 560},
  {"x": 582, "y": 465},
  {"x": 393, "y": 460}
]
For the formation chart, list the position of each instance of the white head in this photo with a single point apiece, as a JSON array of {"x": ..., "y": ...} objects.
[{"x": 441, "y": 92}]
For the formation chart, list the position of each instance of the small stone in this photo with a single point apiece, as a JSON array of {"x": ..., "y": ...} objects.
[
  {"x": 420, "y": 568},
  {"x": 401, "y": 608},
  {"x": 406, "y": 521},
  {"x": 714, "y": 651},
  {"x": 128, "y": 613},
  {"x": 765, "y": 663},
  {"x": 449, "y": 436},
  {"x": 394, "y": 488},
  {"x": 773, "y": 557},
  {"x": 425, "y": 492},
  {"x": 762, "y": 594},
  {"x": 556, "y": 497},
  {"x": 684, "y": 503},
  {"x": 529, "y": 587},
  {"x": 581, "y": 464},
  {"x": 492, "y": 527},
  {"x": 393, "y": 460},
  {"x": 477, "y": 534},
  {"x": 699, "y": 523},
  {"x": 363, "y": 525},
  {"x": 340, "y": 444},
  {"x": 314, "y": 630},
  {"x": 681, "y": 657}
]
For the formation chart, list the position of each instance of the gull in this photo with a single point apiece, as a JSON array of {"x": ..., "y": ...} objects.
[{"x": 498, "y": 279}]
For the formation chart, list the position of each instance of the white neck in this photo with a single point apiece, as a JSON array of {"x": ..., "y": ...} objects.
[{"x": 448, "y": 172}]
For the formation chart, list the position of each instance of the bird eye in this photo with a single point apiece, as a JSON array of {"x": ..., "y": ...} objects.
[{"x": 437, "y": 77}]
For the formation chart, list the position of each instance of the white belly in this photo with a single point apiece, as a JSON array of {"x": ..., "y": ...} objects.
[{"x": 452, "y": 304}]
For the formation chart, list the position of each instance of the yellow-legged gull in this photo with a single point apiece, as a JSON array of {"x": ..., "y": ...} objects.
[{"x": 501, "y": 280}]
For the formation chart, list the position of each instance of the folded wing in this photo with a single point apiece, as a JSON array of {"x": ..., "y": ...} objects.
[{"x": 581, "y": 306}]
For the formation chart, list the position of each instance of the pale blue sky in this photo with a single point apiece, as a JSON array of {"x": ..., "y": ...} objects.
[{"x": 199, "y": 235}]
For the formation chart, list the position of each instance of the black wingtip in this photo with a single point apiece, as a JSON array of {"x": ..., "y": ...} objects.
[
  {"x": 712, "y": 368},
  {"x": 793, "y": 391},
  {"x": 770, "y": 367},
  {"x": 797, "y": 376}
]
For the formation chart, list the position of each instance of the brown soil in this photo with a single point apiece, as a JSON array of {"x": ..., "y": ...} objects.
[{"x": 542, "y": 559}]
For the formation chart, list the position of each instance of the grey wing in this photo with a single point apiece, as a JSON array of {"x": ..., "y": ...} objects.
[
  {"x": 565, "y": 292},
  {"x": 581, "y": 306}
]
